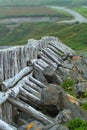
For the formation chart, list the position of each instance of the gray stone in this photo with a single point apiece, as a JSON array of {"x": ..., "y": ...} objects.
[
  {"x": 64, "y": 116},
  {"x": 51, "y": 75},
  {"x": 62, "y": 72},
  {"x": 38, "y": 74},
  {"x": 81, "y": 87},
  {"x": 32, "y": 126},
  {"x": 54, "y": 127},
  {"x": 82, "y": 101},
  {"x": 59, "y": 127},
  {"x": 54, "y": 96},
  {"x": 79, "y": 72},
  {"x": 67, "y": 65},
  {"x": 84, "y": 60},
  {"x": 76, "y": 112}
]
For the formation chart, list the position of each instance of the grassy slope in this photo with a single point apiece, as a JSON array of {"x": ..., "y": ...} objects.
[
  {"x": 33, "y": 2},
  {"x": 82, "y": 11},
  {"x": 73, "y": 35},
  {"x": 42, "y": 2},
  {"x": 78, "y": 3}
]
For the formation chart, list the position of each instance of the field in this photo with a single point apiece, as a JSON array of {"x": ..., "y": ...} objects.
[
  {"x": 74, "y": 35},
  {"x": 9, "y": 12},
  {"x": 82, "y": 11}
]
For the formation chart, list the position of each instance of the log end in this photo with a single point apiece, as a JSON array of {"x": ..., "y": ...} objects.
[{"x": 3, "y": 86}]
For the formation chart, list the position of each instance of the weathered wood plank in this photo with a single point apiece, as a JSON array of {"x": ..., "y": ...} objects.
[
  {"x": 5, "y": 126},
  {"x": 36, "y": 66},
  {"x": 16, "y": 63},
  {"x": 47, "y": 60},
  {"x": 1, "y": 67},
  {"x": 30, "y": 96},
  {"x": 62, "y": 47},
  {"x": 12, "y": 81},
  {"x": 31, "y": 90},
  {"x": 31, "y": 111},
  {"x": 55, "y": 50},
  {"x": 33, "y": 85},
  {"x": 42, "y": 63},
  {"x": 23, "y": 57},
  {"x": 52, "y": 57},
  {"x": 53, "y": 53},
  {"x": 38, "y": 83}
]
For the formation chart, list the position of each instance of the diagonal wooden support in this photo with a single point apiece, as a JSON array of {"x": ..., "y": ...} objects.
[
  {"x": 13, "y": 81},
  {"x": 31, "y": 111},
  {"x": 5, "y": 126}
]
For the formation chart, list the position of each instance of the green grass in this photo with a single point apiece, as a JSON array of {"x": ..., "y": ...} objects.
[
  {"x": 77, "y": 124},
  {"x": 84, "y": 106},
  {"x": 42, "y": 2},
  {"x": 74, "y": 35},
  {"x": 34, "y": 2},
  {"x": 82, "y": 11}
]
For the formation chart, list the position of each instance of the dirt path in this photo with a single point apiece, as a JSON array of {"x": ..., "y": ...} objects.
[{"x": 77, "y": 17}]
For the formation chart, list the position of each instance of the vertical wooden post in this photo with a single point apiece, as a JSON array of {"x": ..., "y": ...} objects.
[{"x": 12, "y": 60}]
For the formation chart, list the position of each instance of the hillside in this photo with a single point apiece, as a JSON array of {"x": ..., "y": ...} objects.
[
  {"x": 41, "y": 2},
  {"x": 74, "y": 35},
  {"x": 82, "y": 11}
]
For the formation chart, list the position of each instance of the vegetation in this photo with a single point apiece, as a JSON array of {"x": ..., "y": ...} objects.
[
  {"x": 67, "y": 84},
  {"x": 84, "y": 106},
  {"x": 8, "y": 12},
  {"x": 77, "y": 124},
  {"x": 74, "y": 35},
  {"x": 83, "y": 95},
  {"x": 82, "y": 11},
  {"x": 78, "y": 3},
  {"x": 41, "y": 2}
]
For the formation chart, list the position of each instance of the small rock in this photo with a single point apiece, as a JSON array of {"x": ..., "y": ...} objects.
[
  {"x": 76, "y": 112},
  {"x": 38, "y": 74},
  {"x": 54, "y": 127},
  {"x": 59, "y": 127},
  {"x": 84, "y": 60},
  {"x": 32, "y": 126},
  {"x": 82, "y": 101},
  {"x": 51, "y": 75},
  {"x": 65, "y": 64},
  {"x": 63, "y": 116},
  {"x": 62, "y": 72},
  {"x": 81, "y": 88}
]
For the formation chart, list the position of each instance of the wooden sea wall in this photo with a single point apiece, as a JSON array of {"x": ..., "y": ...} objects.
[{"x": 12, "y": 60}]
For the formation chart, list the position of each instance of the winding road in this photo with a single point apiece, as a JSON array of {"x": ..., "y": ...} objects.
[{"x": 77, "y": 17}]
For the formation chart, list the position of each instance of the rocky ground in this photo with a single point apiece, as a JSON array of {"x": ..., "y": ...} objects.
[{"x": 65, "y": 94}]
